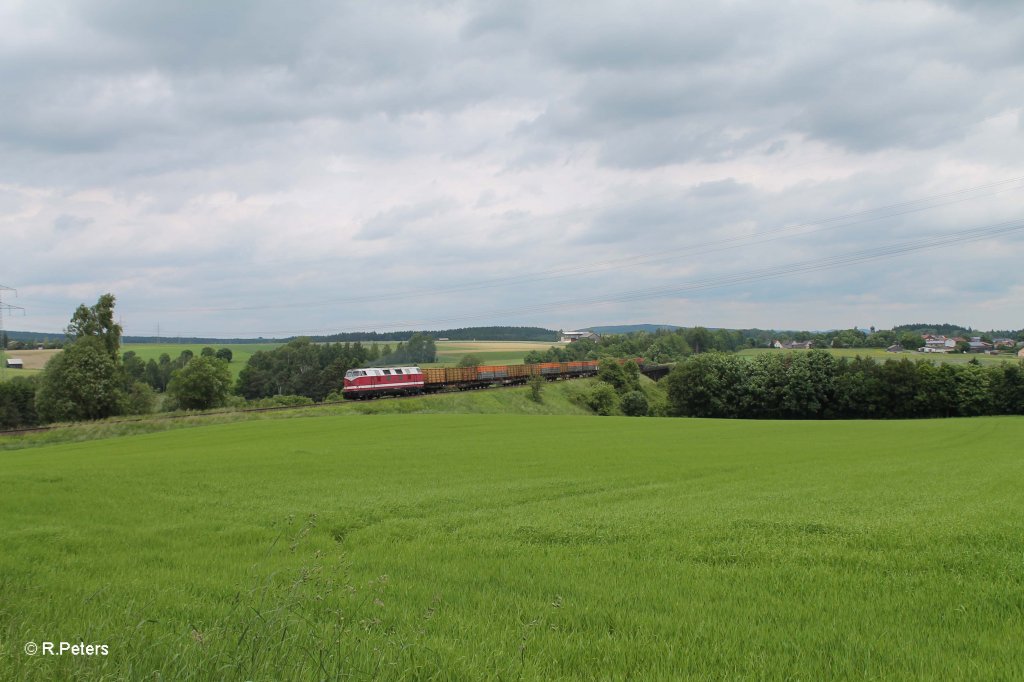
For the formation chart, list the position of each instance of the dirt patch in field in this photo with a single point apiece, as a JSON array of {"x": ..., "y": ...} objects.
[{"x": 33, "y": 359}]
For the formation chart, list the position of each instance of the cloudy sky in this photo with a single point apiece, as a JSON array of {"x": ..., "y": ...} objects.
[{"x": 251, "y": 168}]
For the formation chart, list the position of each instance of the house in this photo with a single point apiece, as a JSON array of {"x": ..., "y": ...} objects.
[
  {"x": 15, "y": 363},
  {"x": 976, "y": 345},
  {"x": 793, "y": 345},
  {"x": 938, "y": 343},
  {"x": 569, "y": 337},
  {"x": 897, "y": 348},
  {"x": 1003, "y": 343},
  {"x": 1020, "y": 353}
]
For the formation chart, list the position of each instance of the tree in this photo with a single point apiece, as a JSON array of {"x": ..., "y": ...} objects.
[
  {"x": 634, "y": 404},
  {"x": 537, "y": 388},
  {"x": 911, "y": 341},
  {"x": 709, "y": 385},
  {"x": 471, "y": 360},
  {"x": 97, "y": 321},
  {"x": 602, "y": 399},
  {"x": 133, "y": 368},
  {"x": 208, "y": 352},
  {"x": 225, "y": 354},
  {"x": 612, "y": 373},
  {"x": 82, "y": 382},
  {"x": 699, "y": 339},
  {"x": 202, "y": 384},
  {"x": 18, "y": 403},
  {"x": 420, "y": 348}
]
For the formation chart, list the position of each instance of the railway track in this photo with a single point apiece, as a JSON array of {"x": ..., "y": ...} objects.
[{"x": 215, "y": 413}]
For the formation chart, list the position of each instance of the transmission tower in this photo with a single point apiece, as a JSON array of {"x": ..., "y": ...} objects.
[{"x": 5, "y": 307}]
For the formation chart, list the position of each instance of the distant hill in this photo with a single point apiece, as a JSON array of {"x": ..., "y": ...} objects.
[
  {"x": 629, "y": 328},
  {"x": 464, "y": 334}
]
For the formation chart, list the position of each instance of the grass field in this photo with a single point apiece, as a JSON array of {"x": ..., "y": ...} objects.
[
  {"x": 881, "y": 355},
  {"x": 491, "y": 352},
  {"x": 515, "y": 547}
]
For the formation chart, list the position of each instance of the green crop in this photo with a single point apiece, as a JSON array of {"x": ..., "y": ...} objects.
[{"x": 461, "y": 547}]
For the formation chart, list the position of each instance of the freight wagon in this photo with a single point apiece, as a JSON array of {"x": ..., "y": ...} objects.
[{"x": 375, "y": 382}]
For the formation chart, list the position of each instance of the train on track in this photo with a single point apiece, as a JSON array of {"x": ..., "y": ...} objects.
[{"x": 376, "y": 382}]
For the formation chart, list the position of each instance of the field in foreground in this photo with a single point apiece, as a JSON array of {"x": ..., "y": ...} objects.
[{"x": 499, "y": 547}]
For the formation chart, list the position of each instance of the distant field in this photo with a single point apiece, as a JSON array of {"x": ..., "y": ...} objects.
[
  {"x": 448, "y": 352},
  {"x": 467, "y": 547},
  {"x": 491, "y": 352},
  {"x": 881, "y": 355},
  {"x": 33, "y": 359}
]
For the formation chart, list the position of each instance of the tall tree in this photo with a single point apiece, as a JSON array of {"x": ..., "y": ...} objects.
[
  {"x": 97, "y": 321},
  {"x": 82, "y": 382}
]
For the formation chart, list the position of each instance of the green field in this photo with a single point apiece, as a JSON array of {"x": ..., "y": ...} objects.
[
  {"x": 881, "y": 355},
  {"x": 520, "y": 547},
  {"x": 491, "y": 352}
]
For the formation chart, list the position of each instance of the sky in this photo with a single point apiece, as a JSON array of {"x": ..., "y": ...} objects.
[{"x": 254, "y": 168}]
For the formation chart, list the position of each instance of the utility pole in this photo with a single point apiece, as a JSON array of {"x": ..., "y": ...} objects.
[{"x": 3, "y": 307}]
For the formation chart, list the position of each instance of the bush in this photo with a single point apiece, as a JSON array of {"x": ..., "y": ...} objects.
[
  {"x": 283, "y": 401},
  {"x": 201, "y": 384},
  {"x": 141, "y": 399},
  {"x": 537, "y": 388},
  {"x": 18, "y": 403},
  {"x": 634, "y": 404},
  {"x": 603, "y": 399}
]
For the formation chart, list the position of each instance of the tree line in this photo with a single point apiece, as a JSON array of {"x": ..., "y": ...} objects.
[
  {"x": 663, "y": 345},
  {"x": 462, "y": 334},
  {"x": 317, "y": 370},
  {"x": 90, "y": 379},
  {"x": 819, "y": 385}
]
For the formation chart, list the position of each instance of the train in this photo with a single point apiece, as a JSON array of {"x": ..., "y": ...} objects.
[{"x": 377, "y": 382}]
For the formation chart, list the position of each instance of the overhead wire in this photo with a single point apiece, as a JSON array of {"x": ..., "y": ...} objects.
[
  {"x": 770, "y": 272},
  {"x": 662, "y": 255}
]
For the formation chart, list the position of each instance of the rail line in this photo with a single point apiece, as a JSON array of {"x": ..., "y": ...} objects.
[{"x": 243, "y": 410}]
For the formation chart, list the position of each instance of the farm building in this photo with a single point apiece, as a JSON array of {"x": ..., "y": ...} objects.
[
  {"x": 978, "y": 346},
  {"x": 793, "y": 345},
  {"x": 568, "y": 337},
  {"x": 15, "y": 363}
]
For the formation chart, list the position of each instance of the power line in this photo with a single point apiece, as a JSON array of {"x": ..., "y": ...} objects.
[
  {"x": 5, "y": 307},
  {"x": 772, "y": 272},
  {"x": 700, "y": 248}
]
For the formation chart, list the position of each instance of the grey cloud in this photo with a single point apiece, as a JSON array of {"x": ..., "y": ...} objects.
[
  {"x": 71, "y": 223},
  {"x": 581, "y": 126},
  {"x": 665, "y": 218},
  {"x": 396, "y": 220}
]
